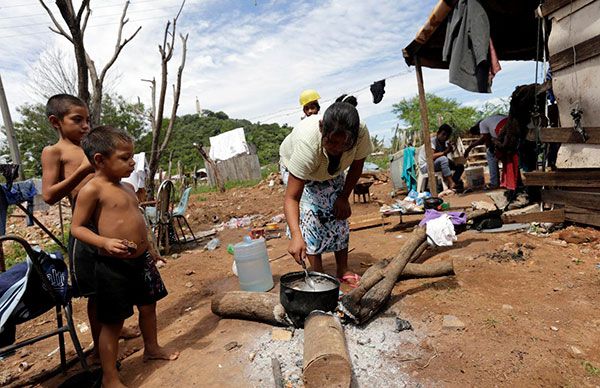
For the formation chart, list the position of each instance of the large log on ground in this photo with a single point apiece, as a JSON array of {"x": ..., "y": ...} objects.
[
  {"x": 252, "y": 306},
  {"x": 326, "y": 359},
  {"x": 412, "y": 270}
]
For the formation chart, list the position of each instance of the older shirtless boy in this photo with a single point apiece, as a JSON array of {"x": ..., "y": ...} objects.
[{"x": 107, "y": 216}]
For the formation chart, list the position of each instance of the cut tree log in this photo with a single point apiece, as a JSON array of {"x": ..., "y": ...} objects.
[
  {"x": 412, "y": 270},
  {"x": 326, "y": 359},
  {"x": 420, "y": 250},
  {"x": 252, "y": 306},
  {"x": 362, "y": 303}
]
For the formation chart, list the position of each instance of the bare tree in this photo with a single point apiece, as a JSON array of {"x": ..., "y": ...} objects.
[
  {"x": 77, "y": 23},
  {"x": 158, "y": 107}
]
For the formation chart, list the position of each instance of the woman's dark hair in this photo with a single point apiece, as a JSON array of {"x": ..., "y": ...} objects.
[
  {"x": 103, "y": 140},
  {"x": 341, "y": 117},
  {"x": 349, "y": 99}
]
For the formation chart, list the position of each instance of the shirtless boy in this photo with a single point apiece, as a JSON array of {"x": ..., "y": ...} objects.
[
  {"x": 65, "y": 169},
  {"x": 107, "y": 216}
]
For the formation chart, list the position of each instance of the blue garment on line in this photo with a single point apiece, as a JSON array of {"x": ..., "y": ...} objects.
[
  {"x": 18, "y": 192},
  {"x": 409, "y": 171}
]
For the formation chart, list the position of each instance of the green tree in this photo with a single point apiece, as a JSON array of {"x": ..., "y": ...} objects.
[
  {"x": 377, "y": 143},
  {"x": 446, "y": 110}
]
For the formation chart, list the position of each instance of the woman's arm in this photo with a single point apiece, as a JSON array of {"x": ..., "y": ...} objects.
[
  {"x": 291, "y": 208},
  {"x": 341, "y": 207}
]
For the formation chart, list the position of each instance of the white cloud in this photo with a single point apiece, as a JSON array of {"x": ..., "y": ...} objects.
[{"x": 248, "y": 61}]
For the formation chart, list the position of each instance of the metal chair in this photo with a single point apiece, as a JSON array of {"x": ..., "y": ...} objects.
[
  {"x": 62, "y": 305},
  {"x": 179, "y": 214}
]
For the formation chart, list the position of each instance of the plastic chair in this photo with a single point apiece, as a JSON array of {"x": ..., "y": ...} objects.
[
  {"x": 423, "y": 177},
  {"x": 61, "y": 304},
  {"x": 179, "y": 214}
]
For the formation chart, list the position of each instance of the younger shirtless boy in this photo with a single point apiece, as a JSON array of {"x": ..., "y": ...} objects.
[
  {"x": 107, "y": 216},
  {"x": 65, "y": 169}
]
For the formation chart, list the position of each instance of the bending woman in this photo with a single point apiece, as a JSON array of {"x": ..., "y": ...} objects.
[{"x": 316, "y": 203}]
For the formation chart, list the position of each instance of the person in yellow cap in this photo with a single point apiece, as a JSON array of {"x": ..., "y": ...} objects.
[{"x": 309, "y": 101}]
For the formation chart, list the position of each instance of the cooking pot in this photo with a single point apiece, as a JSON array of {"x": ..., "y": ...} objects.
[{"x": 299, "y": 299}]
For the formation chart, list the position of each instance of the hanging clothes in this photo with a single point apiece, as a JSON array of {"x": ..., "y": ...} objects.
[
  {"x": 19, "y": 192},
  {"x": 10, "y": 173},
  {"x": 378, "y": 90},
  {"x": 510, "y": 176},
  {"x": 466, "y": 47},
  {"x": 409, "y": 169}
]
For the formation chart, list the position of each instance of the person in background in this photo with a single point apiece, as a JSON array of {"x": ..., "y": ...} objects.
[
  {"x": 316, "y": 205},
  {"x": 442, "y": 146},
  {"x": 309, "y": 101},
  {"x": 488, "y": 130}
]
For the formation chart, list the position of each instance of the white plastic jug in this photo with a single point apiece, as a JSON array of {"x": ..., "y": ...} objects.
[{"x": 252, "y": 262}]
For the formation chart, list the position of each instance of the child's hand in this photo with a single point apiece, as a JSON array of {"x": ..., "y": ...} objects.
[{"x": 115, "y": 247}]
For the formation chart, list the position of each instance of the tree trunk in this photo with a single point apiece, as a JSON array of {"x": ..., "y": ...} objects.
[
  {"x": 426, "y": 270},
  {"x": 326, "y": 360},
  {"x": 252, "y": 306}
]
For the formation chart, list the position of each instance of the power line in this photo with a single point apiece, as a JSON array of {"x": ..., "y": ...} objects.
[
  {"x": 95, "y": 17},
  {"x": 92, "y": 8},
  {"x": 290, "y": 111}
]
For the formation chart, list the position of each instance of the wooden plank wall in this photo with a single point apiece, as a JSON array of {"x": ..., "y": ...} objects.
[{"x": 239, "y": 168}]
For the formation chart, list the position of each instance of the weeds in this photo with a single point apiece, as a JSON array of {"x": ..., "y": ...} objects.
[
  {"x": 591, "y": 369},
  {"x": 491, "y": 322}
]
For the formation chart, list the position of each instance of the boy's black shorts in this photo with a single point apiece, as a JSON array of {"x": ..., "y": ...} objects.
[
  {"x": 82, "y": 264},
  {"x": 124, "y": 283}
]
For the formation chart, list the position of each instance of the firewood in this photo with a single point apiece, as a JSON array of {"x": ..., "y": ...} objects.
[
  {"x": 326, "y": 359},
  {"x": 252, "y": 306}
]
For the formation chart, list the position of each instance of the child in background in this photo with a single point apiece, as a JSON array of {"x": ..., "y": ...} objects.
[{"x": 126, "y": 274}]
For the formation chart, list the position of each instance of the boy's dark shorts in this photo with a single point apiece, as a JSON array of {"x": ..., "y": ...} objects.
[
  {"x": 124, "y": 283},
  {"x": 82, "y": 264}
]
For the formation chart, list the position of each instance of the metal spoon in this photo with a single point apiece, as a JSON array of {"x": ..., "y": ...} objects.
[{"x": 307, "y": 278}]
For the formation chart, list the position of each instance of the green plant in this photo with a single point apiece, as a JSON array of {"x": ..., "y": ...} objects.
[
  {"x": 591, "y": 369},
  {"x": 383, "y": 161},
  {"x": 491, "y": 322},
  {"x": 267, "y": 170}
]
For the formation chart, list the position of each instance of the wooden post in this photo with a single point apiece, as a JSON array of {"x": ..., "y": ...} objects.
[
  {"x": 425, "y": 130},
  {"x": 170, "y": 165},
  {"x": 208, "y": 162},
  {"x": 194, "y": 176},
  {"x": 10, "y": 132}
]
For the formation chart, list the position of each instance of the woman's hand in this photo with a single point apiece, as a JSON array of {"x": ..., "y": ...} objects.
[
  {"x": 341, "y": 208},
  {"x": 115, "y": 247},
  {"x": 297, "y": 248}
]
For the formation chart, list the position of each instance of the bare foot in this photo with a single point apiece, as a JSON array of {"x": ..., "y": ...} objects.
[
  {"x": 112, "y": 383},
  {"x": 160, "y": 354},
  {"x": 130, "y": 332}
]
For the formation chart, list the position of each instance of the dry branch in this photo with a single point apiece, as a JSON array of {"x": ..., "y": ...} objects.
[{"x": 252, "y": 306}]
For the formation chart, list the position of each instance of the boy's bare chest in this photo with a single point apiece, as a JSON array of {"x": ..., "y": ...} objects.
[{"x": 71, "y": 159}]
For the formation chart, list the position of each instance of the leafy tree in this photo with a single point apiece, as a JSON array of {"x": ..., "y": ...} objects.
[
  {"x": 377, "y": 143},
  {"x": 446, "y": 110},
  {"x": 489, "y": 109},
  {"x": 132, "y": 117}
]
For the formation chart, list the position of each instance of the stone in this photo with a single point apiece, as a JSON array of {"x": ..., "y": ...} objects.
[
  {"x": 232, "y": 345},
  {"x": 279, "y": 334},
  {"x": 575, "y": 351},
  {"x": 553, "y": 328},
  {"x": 507, "y": 308},
  {"x": 189, "y": 272},
  {"x": 452, "y": 322},
  {"x": 174, "y": 256},
  {"x": 189, "y": 284},
  {"x": 560, "y": 243}
]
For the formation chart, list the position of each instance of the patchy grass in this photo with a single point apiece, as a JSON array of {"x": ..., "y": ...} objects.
[
  {"x": 267, "y": 170},
  {"x": 591, "y": 369},
  {"x": 383, "y": 161},
  {"x": 491, "y": 322},
  {"x": 203, "y": 189}
]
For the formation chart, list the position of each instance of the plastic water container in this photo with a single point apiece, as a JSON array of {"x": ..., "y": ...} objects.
[
  {"x": 252, "y": 262},
  {"x": 474, "y": 177}
]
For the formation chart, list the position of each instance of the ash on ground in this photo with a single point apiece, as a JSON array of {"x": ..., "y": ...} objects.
[{"x": 377, "y": 350}]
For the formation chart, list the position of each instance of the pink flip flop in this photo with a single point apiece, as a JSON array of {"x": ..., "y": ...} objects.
[{"x": 351, "y": 279}]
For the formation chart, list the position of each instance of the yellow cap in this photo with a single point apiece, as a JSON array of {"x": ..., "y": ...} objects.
[{"x": 308, "y": 95}]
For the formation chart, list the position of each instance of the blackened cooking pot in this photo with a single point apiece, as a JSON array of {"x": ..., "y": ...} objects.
[{"x": 299, "y": 299}]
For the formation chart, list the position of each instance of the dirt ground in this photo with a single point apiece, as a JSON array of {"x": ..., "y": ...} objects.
[{"x": 528, "y": 307}]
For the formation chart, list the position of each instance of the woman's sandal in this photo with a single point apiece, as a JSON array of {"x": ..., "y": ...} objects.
[{"x": 351, "y": 279}]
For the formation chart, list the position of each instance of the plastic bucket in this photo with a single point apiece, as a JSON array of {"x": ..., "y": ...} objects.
[
  {"x": 253, "y": 268},
  {"x": 474, "y": 177}
]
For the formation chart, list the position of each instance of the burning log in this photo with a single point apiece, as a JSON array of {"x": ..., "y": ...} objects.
[{"x": 326, "y": 359}]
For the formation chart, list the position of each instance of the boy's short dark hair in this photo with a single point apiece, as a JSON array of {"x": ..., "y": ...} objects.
[
  {"x": 475, "y": 130},
  {"x": 59, "y": 105},
  {"x": 103, "y": 140},
  {"x": 445, "y": 128}
]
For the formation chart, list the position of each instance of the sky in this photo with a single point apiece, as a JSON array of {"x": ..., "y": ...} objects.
[{"x": 248, "y": 58}]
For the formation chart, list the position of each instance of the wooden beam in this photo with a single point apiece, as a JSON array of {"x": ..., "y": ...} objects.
[
  {"x": 556, "y": 216},
  {"x": 550, "y": 6},
  {"x": 574, "y": 178},
  {"x": 573, "y": 198},
  {"x": 426, "y": 137},
  {"x": 582, "y": 51},
  {"x": 569, "y": 135},
  {"x": 582, "y": 216}
]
